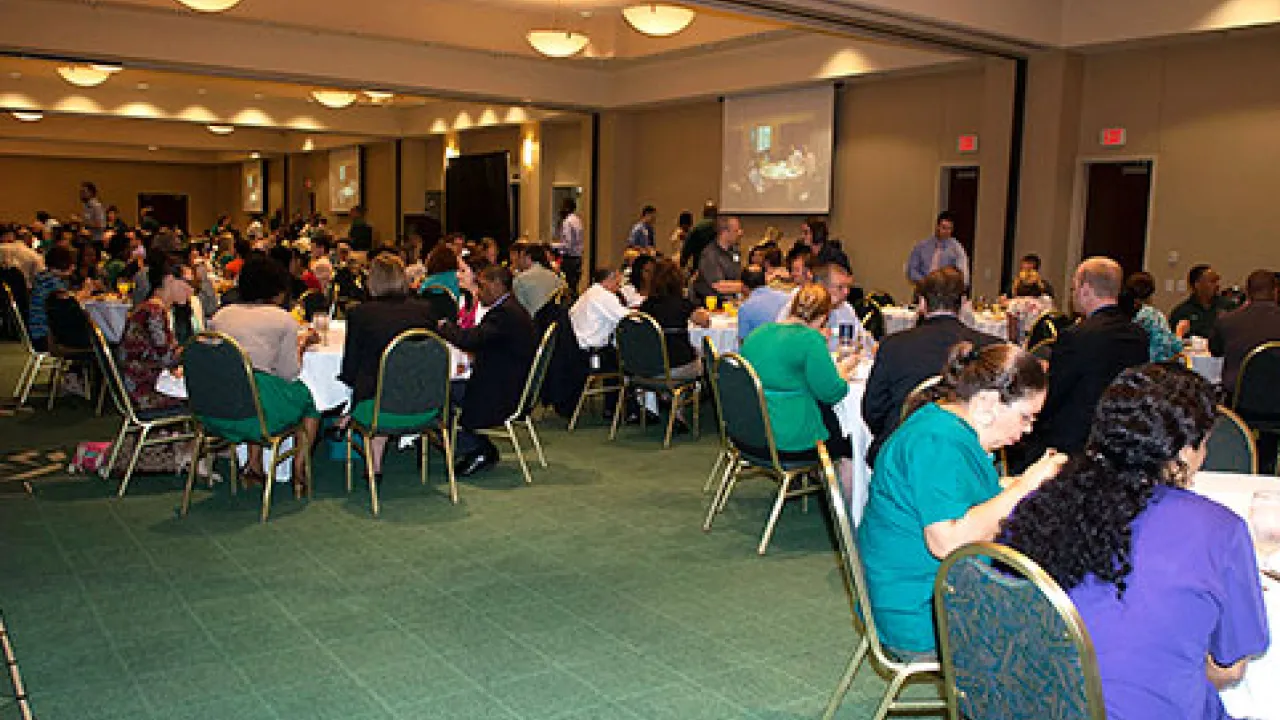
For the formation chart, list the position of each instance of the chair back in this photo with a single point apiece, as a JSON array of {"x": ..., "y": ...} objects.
[
  {"x": 744, "y": 408},
  {"x": 19, "y": 290},
  {"x": 1043, "y": 350},
  {"x": 854, "y": 573},
  {"x": 922, "y": 394},
  {"x": 883, "y": 298},
  {"x": 1011, "y": 642},
  {"x": 1230, "y": 446},
  {"x": 413, "y": 376},
  {"x": 1046, "y": 327},
  {"x": 537, "y": 374},
  {"x": 115, "y": 381},
  {"x": 312, "y": 303},
  {"x": 870, "y": 316},
  {"x": 70, "y": 329},
  {"x": 197, "y": 314},
  {"x": 642, "y": 347},
  {"x": 1256, "y": 383},
  {"x": 709, "y": 359},
  {"x": 15, "y": 317},
  {"x": 437, "y": 289},
  {"x": 220, "y": 382}
]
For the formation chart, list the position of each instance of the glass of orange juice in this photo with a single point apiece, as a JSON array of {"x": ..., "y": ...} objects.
[{"x": 713, "y": 301}]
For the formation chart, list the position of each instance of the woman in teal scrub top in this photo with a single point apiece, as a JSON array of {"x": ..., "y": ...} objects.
[{"x": 936, "y": 488}]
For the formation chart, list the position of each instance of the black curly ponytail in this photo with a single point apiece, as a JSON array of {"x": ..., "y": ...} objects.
[{"x": 1080, "y": 522}]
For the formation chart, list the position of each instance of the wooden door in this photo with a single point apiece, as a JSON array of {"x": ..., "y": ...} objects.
[
  {"x": 169, "y": 210},
  {"x": 1117, "y": 203},
  {"x": 960, "y": 198}
]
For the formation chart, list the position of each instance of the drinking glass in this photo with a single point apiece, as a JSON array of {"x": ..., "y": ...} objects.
[
  {"x": 713, "y": 301},
  {"x": 1264, "y": 520},
  {"x": 320, "y": 323}
]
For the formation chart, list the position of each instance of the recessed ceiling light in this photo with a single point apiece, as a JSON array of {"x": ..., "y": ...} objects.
[
  {"x": 585, "y": 13},
  {"x": 255, "y": 155},
  {"x": 143, "y": 86},
  {"x": 221, "y": 129},
  {"x": 27, "y": 115},
  {"x": 15, "y": 75},
  {"x": 308, "y": 145},
  {"x": 153, "y": 148},
  {"x": 201, "y": 91},
  {"x": 257, "y": 96}
]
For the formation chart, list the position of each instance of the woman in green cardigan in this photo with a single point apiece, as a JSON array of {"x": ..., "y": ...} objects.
[{"x": 801, "y": 381}]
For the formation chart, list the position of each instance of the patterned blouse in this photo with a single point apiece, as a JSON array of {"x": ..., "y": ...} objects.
[
  {"x": 1162, "y": 343},
  {"x": 148, "y": 347}
]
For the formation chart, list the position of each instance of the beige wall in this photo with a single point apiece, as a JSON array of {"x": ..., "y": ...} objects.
[
  {"x": 380, "y": 191},
  {"x": 32, "y": 183}
]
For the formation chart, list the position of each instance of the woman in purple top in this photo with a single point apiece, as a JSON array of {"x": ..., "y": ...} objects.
[{"x": 1165, "y": 580}]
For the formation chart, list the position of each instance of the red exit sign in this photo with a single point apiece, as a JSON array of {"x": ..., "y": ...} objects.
[
  {"x": 1114, "y": 137},
  {"x": 967, "y": 144}
]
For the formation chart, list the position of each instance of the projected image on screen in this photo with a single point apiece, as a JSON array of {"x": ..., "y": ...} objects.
[
  {"x": 777, "y": 152},
  {"x": 344, "y": 179}
]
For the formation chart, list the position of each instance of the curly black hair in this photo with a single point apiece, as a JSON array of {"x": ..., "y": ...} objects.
[{"x": 1081, "y": 522}]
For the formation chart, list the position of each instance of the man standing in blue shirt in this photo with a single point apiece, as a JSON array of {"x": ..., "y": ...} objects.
[
  {"x": 939, "y": 251},
  {"x": 642, "y": 233}
]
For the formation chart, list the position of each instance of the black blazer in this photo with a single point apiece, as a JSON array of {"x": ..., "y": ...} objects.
[
  {"x": 1086, "y": 358},
  {"x": 503, "y": 345},
  {"x": 371, "y": 326},
  {"x": 903, "y": 361}
]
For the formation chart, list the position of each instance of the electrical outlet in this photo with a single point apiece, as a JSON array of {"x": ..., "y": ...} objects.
[
  {"x": 1169, "y": 286},
  {"x": 1182, "y": 285}
]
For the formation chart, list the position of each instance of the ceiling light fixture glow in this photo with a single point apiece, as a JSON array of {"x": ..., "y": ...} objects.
[
  {"x": 27, "y": 115},
  {"x": 308, "y": 145},
  {"x": 335, "y": 99},
  {"x": 221, "y": 129},
  {"x": 108, "y": 68},
  {"x": 657, "y": 19},
  {"x": 379, "y": 95},
  {"x": 210, "y": 6},
  {"x": 557, "y": 43},
  {"x": 85, "y": 76}
]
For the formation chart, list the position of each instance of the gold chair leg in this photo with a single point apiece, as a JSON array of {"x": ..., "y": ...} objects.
[
  {"x": 582, "y": 399},
  {"x": 271, "y": 480},
  {"x": 846, "y": 680},
  {"x": 368, "y": 473},
  {"x": 133, "y": 461},
  {"x": 696, "y": 401},
  {"x": 671, "y": 417},
  {"x": 196, "y": 452},
  {"x": 22, "y": 378},
  {"x": 348, "y": 460},
  {"x": 28, "y": 379},
  {"x": 537, "y": 444},
  {"x": 715, "y": 472},
  {"x": 890, "y": 695},
  {"x": 515, "y": 442},
  {"x": 784, "y": 485},
  {"x": 617, "y": 411},
  {"x": 450, "y": 429},
  {"x": 733, "y": 482},
  {"x": 102, "y": 394},
  {"x": 55, "y": 383},
  {"x": 105, "y": 471},
  {"x": 728, "y": 477},
  {"x": 424, "y": 453},
  {"x": 234, "y": 474}
]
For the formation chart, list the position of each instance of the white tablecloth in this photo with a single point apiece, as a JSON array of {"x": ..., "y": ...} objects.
[
  {"x": 1258, "y": 695},
  {"x": 1208, "y": 366},
  {"x": 723, "y": 333},
  {"x": 849, "y": 413},
  {"x": 897, "y": 319},
  {"x": 109, "y": 316}
]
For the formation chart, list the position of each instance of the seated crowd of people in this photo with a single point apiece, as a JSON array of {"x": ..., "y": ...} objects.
[{"x": 1101, "y": 435}]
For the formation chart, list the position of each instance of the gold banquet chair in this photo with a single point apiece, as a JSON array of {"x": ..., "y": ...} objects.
[
  {"x": 143, "y": 422},
  {"x": 1011, "y": 642},
  {"x": 1253, "y": 398},
  {"x": 741, "y": 399},
  {"x": 598, "y": 383},
  {"x": 1230, "y": 446},
  {"x": 900, "y": 673},
  {"x": 220, "y": 384},
  {"x": 413, "y": 379},
  {"x": 36, "y": 361},
  {"x": 709, "y": 359},
  {"x": 528, "y": 403},
  {"x": 642, "y": 355}
]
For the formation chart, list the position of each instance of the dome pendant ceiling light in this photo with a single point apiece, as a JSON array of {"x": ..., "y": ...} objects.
[
  {"x": 87, "y": 76},
  {"x": 557, "y": 42},
  {"x": 657, "y": 19},
  {"x": 210, "y": 6},
  {"x": 334, "y": 99}
]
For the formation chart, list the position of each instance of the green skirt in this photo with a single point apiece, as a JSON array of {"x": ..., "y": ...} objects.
[
  {"x": 284, "y": 404},
  {"x": 362, "y": 413}
]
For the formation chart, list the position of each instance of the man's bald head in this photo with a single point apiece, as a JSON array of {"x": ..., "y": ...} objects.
[{"x": 1097, "y": 284}]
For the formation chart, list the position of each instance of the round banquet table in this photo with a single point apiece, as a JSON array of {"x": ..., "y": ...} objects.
[
  {"x": 723, "y": 333},
  {"x": 109, "y": 316},
  {"x": 897, "y": 319},
  {"x": 1258, "y": 694},
  {"x": 849, "y": 413}
]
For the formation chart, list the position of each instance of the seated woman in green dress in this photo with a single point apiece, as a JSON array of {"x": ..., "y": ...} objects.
[
  {"x": 274, "y": 343},
  {"x": 371, "y": 326},
  {"x": 801, "y": 381},
  {"x": 935, "y": 485}
]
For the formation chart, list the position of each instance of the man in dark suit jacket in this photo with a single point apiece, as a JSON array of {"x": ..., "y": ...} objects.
[
  {"x": 1086, "y": 358},
  {"x": 503, "y": 344},
  {"x": 910, "y": 357},
  {"x": 1238, "y": 332}
]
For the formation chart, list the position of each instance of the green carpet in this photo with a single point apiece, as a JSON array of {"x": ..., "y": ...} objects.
[{"x": 592, "y": 593}]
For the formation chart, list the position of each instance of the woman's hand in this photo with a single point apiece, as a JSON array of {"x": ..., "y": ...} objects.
[
  {"x": 1046, "y": 468},
  {"x": 1224, "y": 677},
  {"x": 1183, "y": 327},
  {"x": 701, "y": 318}
]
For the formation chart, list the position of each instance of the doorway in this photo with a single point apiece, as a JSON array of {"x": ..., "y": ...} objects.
[
  {"x": 1117, "y": 206},
  {"x": 958, "y": 194},
  {"x": 168, "y": 210}
]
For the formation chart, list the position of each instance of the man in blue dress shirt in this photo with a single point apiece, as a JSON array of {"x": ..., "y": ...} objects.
[{"x": 939, "y": 251}]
